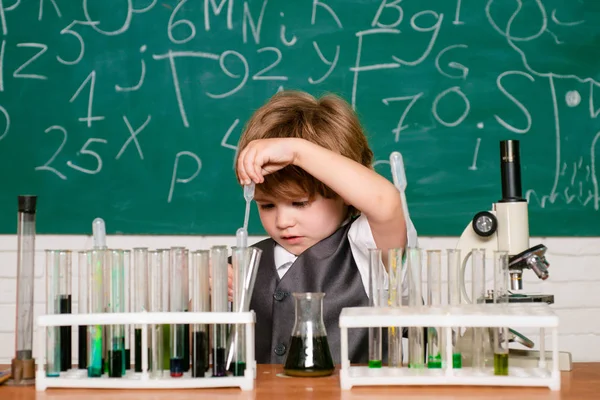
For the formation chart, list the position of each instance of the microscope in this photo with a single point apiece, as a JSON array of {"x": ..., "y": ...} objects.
[{"x": 506, "y": 228}]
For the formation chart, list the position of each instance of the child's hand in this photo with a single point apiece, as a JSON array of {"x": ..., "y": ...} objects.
[{"x": 264, "y": 156}]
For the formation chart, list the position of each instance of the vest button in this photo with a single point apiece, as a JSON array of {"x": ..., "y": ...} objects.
[
  {"x": 279, "y": 295},
  {"x": 280, "y": 349}
]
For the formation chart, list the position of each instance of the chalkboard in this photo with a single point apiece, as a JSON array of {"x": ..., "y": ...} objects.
[{"x": 130, "y": 110}]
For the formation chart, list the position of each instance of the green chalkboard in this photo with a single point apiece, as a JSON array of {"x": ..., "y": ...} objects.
[{"x": 130, "y": 110}]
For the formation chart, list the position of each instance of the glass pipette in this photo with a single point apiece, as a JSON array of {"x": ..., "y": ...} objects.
[{"x": 242, "y": 234}]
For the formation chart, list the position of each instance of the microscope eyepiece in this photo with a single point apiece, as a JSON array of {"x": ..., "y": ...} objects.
[{"x": 510, "y": 171}]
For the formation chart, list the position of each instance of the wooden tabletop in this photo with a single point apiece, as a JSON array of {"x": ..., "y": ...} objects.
[{"x": 582, "y": 383}]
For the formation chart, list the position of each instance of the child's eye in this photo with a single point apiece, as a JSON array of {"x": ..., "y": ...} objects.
[
  {"x": 300, "y": 203},
  {"x": 265, "y": 206}
]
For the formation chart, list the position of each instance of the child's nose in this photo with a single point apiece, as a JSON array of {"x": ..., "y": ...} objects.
[{"x": 285, "y": 219}]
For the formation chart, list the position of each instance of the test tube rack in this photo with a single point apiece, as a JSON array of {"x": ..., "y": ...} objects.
[
  {"x": 75, "y": 378},
  {"x": 473, "y": 315}
]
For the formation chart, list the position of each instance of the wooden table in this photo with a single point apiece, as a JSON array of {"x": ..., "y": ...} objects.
[{"x": 582, "y": 383}]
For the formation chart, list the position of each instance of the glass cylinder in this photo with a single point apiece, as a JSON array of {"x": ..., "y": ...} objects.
[
  {"x": 53, "y": 334},
  {"x": 478, "y": 297},
  {"x": 177, "y": 303},
  {"x": 501, "y": 297},
  {"x": 240, "y": 258},
  {"x": 416, "y": 348},
  {"x": 140, "y": 299},
  {"x": 98, "y": 259},
  {"x": 309, "y": 353},
  {"x": 395, "y": 273},
  {"x": 23, "y": 365},
  {"x": 83, "y": 305},
  {"x": 64, "y": 294},
  {"x": 116, "y": 332},
  {"x": 434, "y": 299},
  {"x": 165, "y": 260},
  {"x": 219, "y": 298},
  {"x": 156, "y": 304},
  {"x": 128, "y": 287},
  {"x": 454, "y": 299},
  {"x": 200, "y": 303},
  {"x": 376, "y": 290}
]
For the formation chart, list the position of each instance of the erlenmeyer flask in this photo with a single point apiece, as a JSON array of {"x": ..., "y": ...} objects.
[{"x": 309, "y": 353}]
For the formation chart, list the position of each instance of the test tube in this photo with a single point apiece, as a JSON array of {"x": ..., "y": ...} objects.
[
  {"x": 95, "y": 332},
  {"x": 454, "y": 271},
  {"x": 375, "y": 297},
  {"x": 53, "y": 335},
  {"x": 155, "y": 295},
  {"x": 501, "y": 297},
  {"x": 186, "y": 300},
  {"x": 177, "y": 303},
  {"x": 434, "y": 299},
  {"x": 395, "y": 258},
  {"x": 116, "y": 335},
  {"x": 478, "y": 297},
  {"x": 218, "y": 255},
  {"x": 64, "y": 295},
  {"x": 23, "y": 364},
  {"x": 200, "y": 303},
  {"x": 127, "y": 285},
  {"x": 165, "y": 261},
  {"x": 416, "y": 348},
  {"x": 140, "y": 303},
  {"x": 83, "y": 305}
]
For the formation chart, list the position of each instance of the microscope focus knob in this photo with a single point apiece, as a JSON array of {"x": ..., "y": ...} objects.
[{"x": 485, "y": 223}]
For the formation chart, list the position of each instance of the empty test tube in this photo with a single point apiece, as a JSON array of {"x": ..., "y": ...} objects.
[
  {"x": 156, "y": 304},
  {"x": 177, "y": 303},
  {"x": 376, "y": 296},
  {"x": 140, "y": 299},
  {"x": 434, "y": 299},
  {"x": 95, "y": 346},
  {"x": 218, "y": 255},
  {"x": 200, "y": 303},
  {"x": 83, "y": 305},
  {"x": 478, "y": 297},
  {"x": 416, "y": 348},
  {"x": 53, "y": 336},
  {"x": 395, "y": 262},
  {"x": 454, "y": 272},
  {"x": 116, "y": 333},
  {"x": 500, "y": 297}
]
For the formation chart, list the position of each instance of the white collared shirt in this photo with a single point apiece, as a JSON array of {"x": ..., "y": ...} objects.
[{"x": 361, "y": 240}]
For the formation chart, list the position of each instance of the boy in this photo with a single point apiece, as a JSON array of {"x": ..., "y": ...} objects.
[{"x": 322, "y": 206}]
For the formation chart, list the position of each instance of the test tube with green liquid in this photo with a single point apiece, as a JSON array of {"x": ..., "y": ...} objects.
[
  {"x": 156, "y": 304},
  {"x": 53, "y": 337},
  {"x": 116, "y": 332},
  {"x": 140, "y": 299},
  {"x": 435, "y": 338},
  {"x": 395, "y": 269},
  {"x": 200, "y": 303},
  {"x": 376, "y": 291},
  {"x": 454, "y": 272},
  {"x": 416, "y": 345},
  {"x": 500, "y": 296},
  {"x": 95, "y": 365}
]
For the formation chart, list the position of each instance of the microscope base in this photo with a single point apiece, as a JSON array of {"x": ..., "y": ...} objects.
[
  {"x": 526, "y": 298},
  {"x": 530, "y": 359}
]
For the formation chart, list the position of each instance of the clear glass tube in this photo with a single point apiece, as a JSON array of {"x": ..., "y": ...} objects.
[
  {"x": 395, "y": 262},
  {"x": 239, "y": 261},
  {"x": 416, "y": 345},
  {"x": 478, "y": 297},
  {"x": 64, "y": 294},
  {"x": 140, "y": 299},
  {"x": 98, "y": 259},
  {"x": 23, "y": 365},
  {"x": 177, "y": 303},
  {"x": 83, "y": 305},
  {"x": 501, "y": 297},
  {"x": 434, "y": 299},
  {"x": 200, "y": 303},
  {"x": 156, "y": 304},
  {"x": 165, "y": 260},
  {"x": 454, "y": 271},
  {"x": 128, "y": 288},
  {"x": 116, "y": 351},
  {"x": 375, "y": 300},
  {"x": 186, "y": 300},
  {"x": 53, "y": 336},
  {"x": 218, "y": 255}
]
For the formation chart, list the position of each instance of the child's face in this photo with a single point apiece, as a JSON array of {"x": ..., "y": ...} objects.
[{"x": 297, "y": 224}]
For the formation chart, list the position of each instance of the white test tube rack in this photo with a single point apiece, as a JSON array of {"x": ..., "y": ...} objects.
[
  {"x": 446, "y": 317},
  {"x": 75, "y": 378}
]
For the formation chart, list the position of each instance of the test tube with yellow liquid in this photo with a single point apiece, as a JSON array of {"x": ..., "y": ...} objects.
[{"x": 501, "y": 297}]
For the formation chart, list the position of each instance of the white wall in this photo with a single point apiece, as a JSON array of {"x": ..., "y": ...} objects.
[{"x": 574, "y": 281}]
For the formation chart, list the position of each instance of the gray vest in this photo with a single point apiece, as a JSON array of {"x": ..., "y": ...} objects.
[{"x": 328, "y": 267}]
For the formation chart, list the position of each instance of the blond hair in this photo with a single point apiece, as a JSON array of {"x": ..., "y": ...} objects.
[{"x": 328, "y": 121}]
